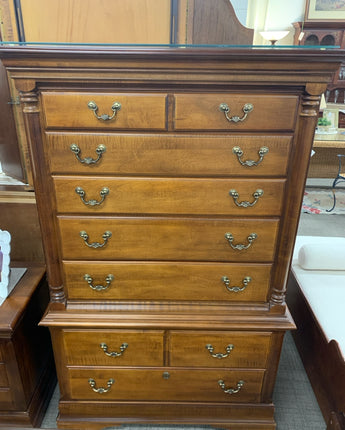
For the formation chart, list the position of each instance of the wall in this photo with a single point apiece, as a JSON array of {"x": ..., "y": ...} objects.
[{"x": 265, "y": 15}]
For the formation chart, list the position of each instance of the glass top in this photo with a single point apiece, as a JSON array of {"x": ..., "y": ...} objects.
[{"x": 163, "y": 45}]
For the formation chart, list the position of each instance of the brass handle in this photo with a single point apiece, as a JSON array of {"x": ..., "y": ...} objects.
[
  {"x": 108, "y": 281},
  {"x": 247, "y": 108},
  {"x": 123, "y": 347},
  {"x": 250, "y": 163},
  {"x": 245, "y": 204},
  {"x": 240, "y": 247},
  {"x": 101, "y": 390},
  {"x": 88, "y": 160},
  {"x": 115, "y": 108},
  {"x": 106, "y": 236},
  {"x": 240, "y": 384},
  {"x": 219, "y": 355},
  {"x": 103, "y": 193},
  {"x": 235, "y": 289}
]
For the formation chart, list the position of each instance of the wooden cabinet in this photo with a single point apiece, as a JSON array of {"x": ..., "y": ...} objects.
[
  {"x": 169, "y": 223},
  {"x": 27, "y": 372}
]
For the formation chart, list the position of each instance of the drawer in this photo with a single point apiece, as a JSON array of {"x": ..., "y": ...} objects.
[
  {"x": 102, "y": 238},
  {"x": 137, "y": 112},
  {"x": 3, "y": 376},
  {"x": 113, "y": 347},
  {"x": 166, "y": 281},
  {"x": 219, "y": 349},
  {"x": 166, "y": 384},
  {"x": 168, "y": 155},
  {"x": 203, "y": 112},
  {"x": 169, "y": 196}
]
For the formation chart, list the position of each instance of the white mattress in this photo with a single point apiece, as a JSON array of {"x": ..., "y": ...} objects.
[{"x": 324, "y": 291}]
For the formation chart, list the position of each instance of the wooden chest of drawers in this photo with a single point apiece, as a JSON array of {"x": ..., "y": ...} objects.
[{"x": 169, "y": 185}]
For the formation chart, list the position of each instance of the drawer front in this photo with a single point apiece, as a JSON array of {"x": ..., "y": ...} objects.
[
  {"x": 137, "y": 112},
  {"x": 175, "y": 385},
  {"x": 167, "y": 239},
  {"x": 203, "y": 112},
  {"x": 166, "y": 281},
  {"x": 169, "y": 196},
  {"x": 113, "y": 348},
  {"x": 225, "y": 349},
  {"x": 3, "y": 376},
  {"x": 168, "y": 155}
]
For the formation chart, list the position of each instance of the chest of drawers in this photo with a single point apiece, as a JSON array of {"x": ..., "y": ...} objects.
[{"x": 169, "y": 185}]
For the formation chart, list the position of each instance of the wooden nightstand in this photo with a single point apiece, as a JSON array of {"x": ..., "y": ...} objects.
[{"x": 27, "y": 371}]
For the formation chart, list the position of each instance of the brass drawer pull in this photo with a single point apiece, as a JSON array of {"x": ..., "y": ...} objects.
[
  {"x": 103, "y": 193},
  {"x": 240, "y": 247},
  {"x": 240, "y": 384},
  {"x": 123, "y": 347},
  {"x": 88, "y": 160},
  {"x": 219, "y": 355},
  {"x": 247, "y": 108},
  {"x": 257, "y": 194},
  {"x": 236, "y": 289},
  {"x": 101, "y": 390},
  {"x": 115, "y": 108},
  {"x": 106, "y": 235},
  {"x": 250, "y": 163},
  {"x": 108, "y": 281}
]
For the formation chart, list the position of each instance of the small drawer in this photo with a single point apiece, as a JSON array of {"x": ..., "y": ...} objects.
[
  {"x": 106, "y": 195},
  {"x": 215, "y": 349},
  {"x": 3, "y": 376},
  {"x": 102, "y": 238},
  {"x": 159, "y": 155},
  {"x": 166, "y": 384},
  {"x": 113, "y": 348},
  {"x": 204, "y": 112},
  {"x": 117, "y": 280},
  {"x": 137, "y": 111}
]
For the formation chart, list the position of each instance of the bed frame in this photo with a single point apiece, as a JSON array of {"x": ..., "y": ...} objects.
[{"x": 323, "y": 361}]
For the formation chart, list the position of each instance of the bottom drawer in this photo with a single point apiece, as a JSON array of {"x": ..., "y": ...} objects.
[{"x": 166, "y": 384}]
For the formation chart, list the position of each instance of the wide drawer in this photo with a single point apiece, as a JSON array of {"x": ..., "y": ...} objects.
[
  {"x": 204, "y": 112},
  {"x": 103, "y": 238},
  {"x": 219, "y": 349},
  {"x": 169, "y": 196},
  {"x": 166, "y": 281},
  {"x": 113, "y": 347},
  {"x": 168, "y": 155},
  {"x": 138, "y": 111},
  {"x": 165, "y": 384}
]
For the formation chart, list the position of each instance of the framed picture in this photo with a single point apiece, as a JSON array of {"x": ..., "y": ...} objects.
[
  {"x": 5, "y": 248},
  {"x": 325, "y": 10}
]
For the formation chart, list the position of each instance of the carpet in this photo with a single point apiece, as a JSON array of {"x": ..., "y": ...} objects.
[{"x": 320, "y": 201}]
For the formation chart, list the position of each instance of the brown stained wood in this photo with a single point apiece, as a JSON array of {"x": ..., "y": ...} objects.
[
  {"x": 95, "y": 21},
  {"x": 166, "y": 155},
  {"x": 220, "y": 20},
  {"x": 138, "y": 111},
  {"x": 249, "y": 350},
  {"x": 202, "y": 112},
  {"x": 166, "y": 281},
  {"x": 18, "y": 215},
  {"x": 168, "y": 196},
  {"x": 168, "y": 252},
  {"x": 323, "y": 360},
  {"x": 27, "y": 374},
  {"x": 167, "y": 239},
  {"x": 144, "y": 348}
]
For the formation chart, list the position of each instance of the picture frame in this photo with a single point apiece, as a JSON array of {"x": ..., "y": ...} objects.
[
  {"x": 5, "y": 248},
  {"x": 325, "y": 10}
]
